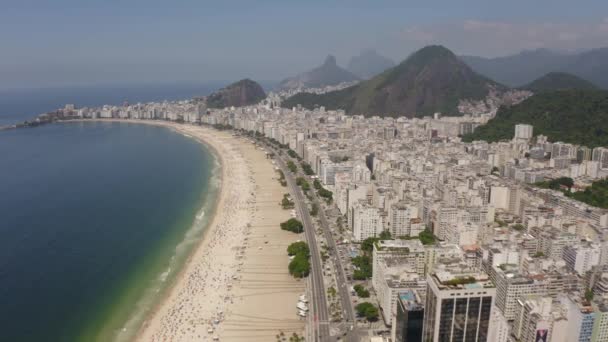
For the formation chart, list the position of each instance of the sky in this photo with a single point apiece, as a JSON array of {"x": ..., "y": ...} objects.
[{"x": 87, "y": 42}]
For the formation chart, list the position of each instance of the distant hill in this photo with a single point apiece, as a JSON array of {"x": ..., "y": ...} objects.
[
  {"x": 572, "y": 116},
  {"x": 517, "y": 70},
  {"x": 591, "y": 65},
  {"x": 431, "y": 80},
  {"x": 522, "y": 68},
  {"x": 558, "y": 81},
  {"x": 369, "y": 64},
  {"x": 329, "y": 73},
  {"x": 242, "y": 93}
]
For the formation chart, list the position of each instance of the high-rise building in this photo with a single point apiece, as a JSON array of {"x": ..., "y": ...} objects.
[
  {"x": 580, "y": 318},
  {"x": 539, "y": 319},
  {"x": 581, "y": 257},
  {"x": 600, "y": 155},
  {"x": 409, "y": 318},
  {"x": 583, "y": 153},
  {"x": 523, "y": 131},
  {"x": 512, "y": 285},
  {"x": 458, "y": 306},
  {"x": 367, "y": 221},
  {"x": 500, "y": 330},
  {"x": 600, "y": 324}
]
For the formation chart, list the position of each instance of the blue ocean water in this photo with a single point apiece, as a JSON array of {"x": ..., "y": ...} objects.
[
  {"x": 22, "y": 104},
  {"x": 90, "y": 214}
]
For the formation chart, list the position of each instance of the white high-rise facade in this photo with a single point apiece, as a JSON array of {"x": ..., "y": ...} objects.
[{"x": 523, "y": 131}]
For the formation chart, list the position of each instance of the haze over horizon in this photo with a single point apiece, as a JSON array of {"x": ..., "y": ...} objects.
[{"x": 70, "y": 42}]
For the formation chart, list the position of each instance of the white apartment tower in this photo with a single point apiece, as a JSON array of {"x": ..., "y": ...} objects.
[{"x": 523, "y": 131}]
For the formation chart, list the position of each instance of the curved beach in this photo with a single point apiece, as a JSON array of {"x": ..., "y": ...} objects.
[{"x": 235, "y": 285}]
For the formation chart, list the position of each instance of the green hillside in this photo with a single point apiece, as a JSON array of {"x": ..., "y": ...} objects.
[
  {"x": 558, "y": 81},
  {"x": 572, "y": 116},
  {"x": 431, "y": 80}
]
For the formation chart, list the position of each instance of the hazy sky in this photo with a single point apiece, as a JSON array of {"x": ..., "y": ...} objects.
[{"x": 60, "y": 42}]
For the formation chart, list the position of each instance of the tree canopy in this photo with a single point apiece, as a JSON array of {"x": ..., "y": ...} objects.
[
  {"x": 367, "y": 310},
  {"x": 292, "y": 225},
  {"x": 299, "y": 247},
  {"x": 572, "y": 116}
]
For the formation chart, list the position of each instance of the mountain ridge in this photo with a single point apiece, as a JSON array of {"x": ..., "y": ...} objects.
[
  {"x": 430, "y": 80},
  {"x": 522, "y": 68},
  {"x": 369, "y": 64},
  {"x": 554, "y": 81},
  {"x": 329, "y": 73}
]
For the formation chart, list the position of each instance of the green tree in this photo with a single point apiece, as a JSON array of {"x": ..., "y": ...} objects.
[
  {"x": 299, "y": 247},
  {"x": 385, "y": 235},
  {"x": 292, "y": 167},
  {"x": 292, "y": 153},
  {"x": 361, "y": 291},
  {"x": 367, "y": 310},
  {"x": 427, "y": 237},
  {"x": 299, "y": 266},
  {"x": 589, "y": 295},
  {"x": 307, "y": 169},
  {"x": 292, "y": 225},
  {"x": 314, "y": 210},
  {"x": 317, "y": 184},
  {"x": 303, "y": 183},
  {"x": 556, "y": 184},
  {"x": 363, "y": 267},
  {"x": 368, "y": 244},
  {"x": 538, "y": 255},
  {"x": 325, "y": 193},
  {"x": 519, "y": 227},
  {"x": 595, "y": 195},
  {"x": 286, "y": 202}
]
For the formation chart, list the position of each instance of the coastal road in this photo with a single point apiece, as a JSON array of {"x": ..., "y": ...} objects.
[
  {"x": 319, "y": 301},
  {"x": 343, "y": 288}
]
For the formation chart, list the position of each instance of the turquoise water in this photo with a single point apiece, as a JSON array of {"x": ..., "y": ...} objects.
[{"x": 95, "y": 220}]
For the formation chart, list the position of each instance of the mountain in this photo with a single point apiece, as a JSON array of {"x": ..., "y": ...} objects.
[
  {"x": 558, "y": 81},
  {"x": 369, "y": 64},
  {"x": 572, "y": 116},
  {"x": 519, "y": 69},
  {"x": 329, "y": 73},
  {"x": 431, "y": 80},
  {"x": 242, "y": 93},
  {"x": 591, "y": 65},
  {"x": 522, "y": 68}
]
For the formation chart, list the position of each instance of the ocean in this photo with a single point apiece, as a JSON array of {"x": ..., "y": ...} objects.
[
  {"x": 95, "y": 220},
  {"x": 22, "y": 104}
]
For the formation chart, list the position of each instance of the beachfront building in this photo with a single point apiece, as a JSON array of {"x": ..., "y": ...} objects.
[
  {"x": 458, "y": 306},
  {"x": 540, "y": 319},
  {"x": 367, "y": 221},
  {"x": 408, "y": 318}
]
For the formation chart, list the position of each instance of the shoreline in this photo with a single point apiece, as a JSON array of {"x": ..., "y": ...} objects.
[
  {"x": 214, "y": 288},
  {"x": 210, "y": 213},
  {"x": 147, "y": 304}
]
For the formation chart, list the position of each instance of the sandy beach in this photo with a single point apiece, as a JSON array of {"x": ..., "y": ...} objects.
[{"x": 235, "y": 286}]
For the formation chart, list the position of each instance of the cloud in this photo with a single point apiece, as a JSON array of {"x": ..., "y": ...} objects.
[{"x": 496, "y": 38}]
